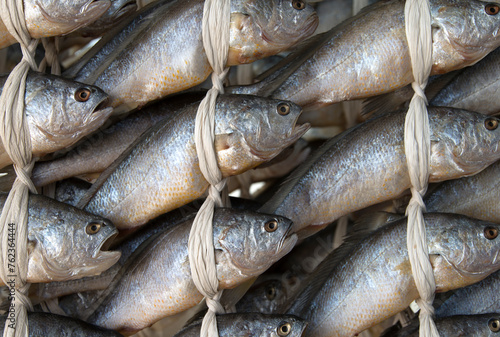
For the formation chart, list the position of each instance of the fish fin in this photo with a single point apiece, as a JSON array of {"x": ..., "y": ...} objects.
[
  {"x": 118, "y": 38},
  {"x": 372, "y": 221},
  {"x": 231, "y": 296},
  {"x": 287, "y": 185},
  {"x": 377, "y": 105},
  {"x": 323, "y": 271}
]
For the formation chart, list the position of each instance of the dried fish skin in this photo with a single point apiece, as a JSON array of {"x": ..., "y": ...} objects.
[
  {"x": 162, "y": 173},
  {"x": 118, "y": 11},
  {"x": 45, "y": 18},
  {"x": 461, "y": 325},
  {"x": 367, "y": 165},
  {"x": 159, "y": 282},
  {"x": 479, "y": 298},
  {"x": 368, "y": 55},
  {"x": 475, "y": 88},
  {"x": 476, "y": 196},
  {"x": 64, "y": 242},
  {"x": 374, "y": 280},
  {"x": 43, "y": 324},
  {"x": 161, "y": 51},
  {"x": 59, "y": 112}
]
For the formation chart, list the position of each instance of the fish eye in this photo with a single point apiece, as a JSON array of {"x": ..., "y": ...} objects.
[
  {"x": 492, "y": 9},
  {"x": 92, "y": 228},
  {"x": 271, "y": 226},
  {"x": 284, "y": 329},
  {"x": 270, "y": 293},
  {"x": 494, "y": 324},
  {"x": 490, "y": 233},
  {"x": 283, "y": 109},
  {"x": 300, "y": 5},
  {"x": 82, "y": 94},
  {"x": 491, "y": 123}
]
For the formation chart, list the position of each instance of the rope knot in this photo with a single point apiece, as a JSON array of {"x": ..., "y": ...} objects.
[
  {"x": 425, "y": 308},
  {"x": 214, "y": 306},
  {"x": 22, "y": 298},
  {"x": 416, "y": 198},
  {"x": 24, "y": 174},
  {"x": 218, "y": 80},
  {"x": 419, "y": 91}
]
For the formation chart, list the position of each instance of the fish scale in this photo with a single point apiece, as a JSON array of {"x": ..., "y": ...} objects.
[
  {"x": 162, "y": 172},
  {"x": 347, "y": 77},
  {"x": 138, "y": 65},
  {"x": 373, "y": 281},
  {"x": 157, "y": 281},
  {"x": 367, "y": 165}
]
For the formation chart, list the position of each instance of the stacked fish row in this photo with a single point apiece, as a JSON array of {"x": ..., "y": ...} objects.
[{"x": 149, "y": 178}]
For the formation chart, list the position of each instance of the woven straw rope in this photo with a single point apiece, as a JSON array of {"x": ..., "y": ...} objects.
[
  {"x": 417, "y": 149},
  {"x": 215, "y": 30},
  {"x": 14, "y": 133}
]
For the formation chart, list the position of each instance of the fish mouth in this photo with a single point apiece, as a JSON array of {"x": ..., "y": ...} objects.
[
  {"x": 296, "y": 131},
  {"x": 102, "y": 251},
  {"x": 287, "y": 242},
  {"x": 103, "y": 106},
  {"x": 101, "y": 110}
]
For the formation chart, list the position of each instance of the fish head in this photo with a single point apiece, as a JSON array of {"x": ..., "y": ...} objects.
[
  {"x": 258, "y": 130},
  {"x": 46, "y": 18},
  {"x": 251, "y": 241},
  {"x": 463, "y": 143},
  {"x": 265, "y": 297},
  {"x": 464, "y": 31},
  {"x": 62, "y": 111},
  {"x": 261, "y": 28},
  {"x": 281, "y": 325},
  {"x": 69, "y": 244},
  {"x": 465, "y": 251}
]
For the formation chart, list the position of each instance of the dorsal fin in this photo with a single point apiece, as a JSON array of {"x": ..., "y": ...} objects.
[
  {"x": 322, "y": 273},
  {"x": 287, "y": 185}
]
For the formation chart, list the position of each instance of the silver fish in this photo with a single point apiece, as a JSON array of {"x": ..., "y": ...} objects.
[
  {"x": 368, "y": 54},
  {"x": 367, "y": 165},
  {"x": 371, "y": 280},
  {"x": 251, "y": 324},
  {"x": 246, "y": 244},
  {"x": 249, "y": 131},
  {"x": 59, "y": 112},
  {"x": 46, "y": 18},
  {"x": 161, "y": 52},
  {"x": 65, "y": 243}
]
